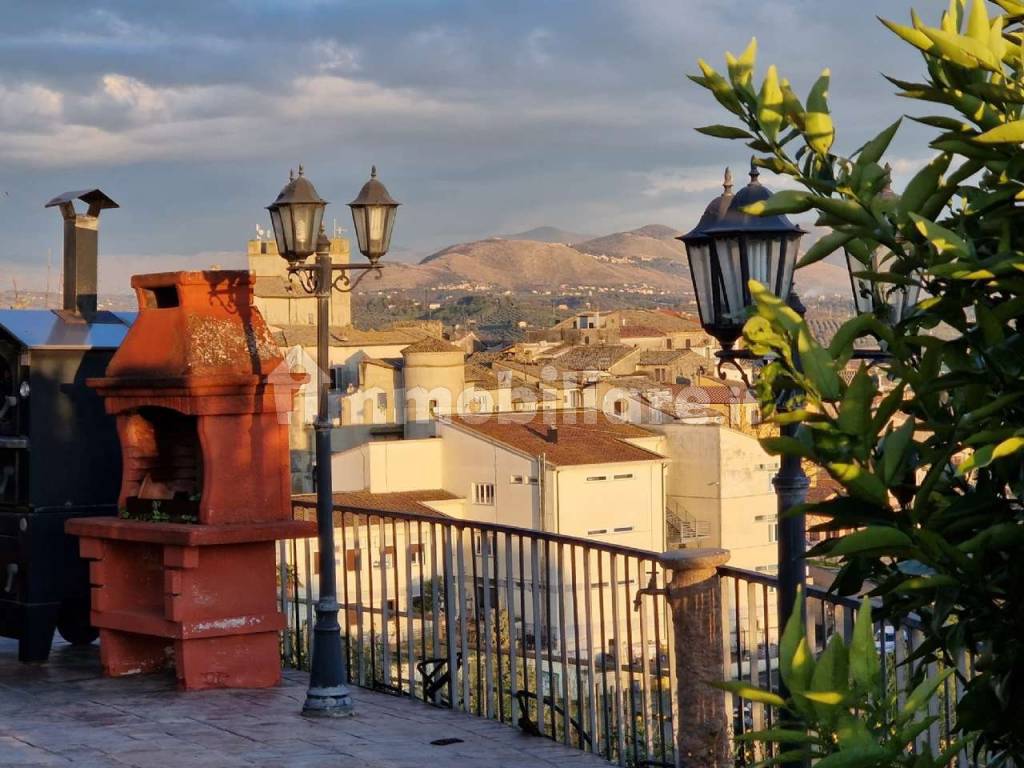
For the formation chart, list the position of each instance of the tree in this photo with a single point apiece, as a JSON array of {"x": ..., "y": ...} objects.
[{"x": 933, "y": 469}]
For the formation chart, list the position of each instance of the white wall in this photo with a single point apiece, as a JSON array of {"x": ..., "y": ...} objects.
[{"x": 388, "y": 466}]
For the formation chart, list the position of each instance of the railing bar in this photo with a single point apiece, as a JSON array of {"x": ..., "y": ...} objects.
[
  {"x": 673, "y": 695},
  {"x": 435, "y": 600},
  {"x": 423, "y": 600},
  {"x": 306, "y": 644},
  {"x": 646, "y": 686},
  {"x": 961, "y": 665},
  {"x": 283, "y": 572},
  {"x": 347, "y": 624},
  {"x": 901, "y": 670},
  {"x": 485, "y": 561},
  {"x": 566, "y": 707},
  {"x": 589, "y": 633},
  {"x": 620, "y": 713},
  {"x": 547, "y": 637},
  {"x": 373, "y": 604},
  {"x": 361, "y": 654},
  {"x": 449, "y": 604},
  {"x": 535, "y": 591},
  {"x": 410, "y": 651},
  {"x": 385, "y": 614},
  {"x": 575, "y": 592},
  {"x": 605, "y": 709},
  {"x": 736, "y": 701},
  {"x": 757, "y": 713},
  {"x": 463, "y": 618},
  {"x": 476, "y": 612},
  {"x": 765, "y": 617},
  {"x": 398, "y": 606},
  {"x": 498, "y": 658},
  {"x": 510, "y": 606},
  {"x": 630, "y": 697},
  {"x": 933, "y": 703},
  {"x": 522, "y": 627}
]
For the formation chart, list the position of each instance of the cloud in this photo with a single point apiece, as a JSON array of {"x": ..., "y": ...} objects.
[{"x": 333, "y": 56}]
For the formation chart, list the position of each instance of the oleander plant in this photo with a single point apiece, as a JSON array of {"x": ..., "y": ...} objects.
[{"x": 933, "y": 462}]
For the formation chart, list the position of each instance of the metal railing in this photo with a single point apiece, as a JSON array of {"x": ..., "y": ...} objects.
[
  {"x": 751, "y": 651},
  {"x": 564, "y": 638}
]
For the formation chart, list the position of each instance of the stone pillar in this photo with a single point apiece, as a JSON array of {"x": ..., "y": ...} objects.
[{"x": 695, "y": 599}]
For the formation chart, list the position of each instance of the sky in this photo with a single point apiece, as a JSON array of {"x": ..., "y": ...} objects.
[{"x": 483, "y": 116}]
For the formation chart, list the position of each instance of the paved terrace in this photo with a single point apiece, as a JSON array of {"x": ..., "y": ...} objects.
[{"x": 65, "y": 713}]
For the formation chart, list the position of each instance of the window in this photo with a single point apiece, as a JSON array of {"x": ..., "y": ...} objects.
[
  {"x": 389, "y": 557},
  {"x": 481, "y": 544},
  {"x": 432, "y": 406},
  {"x": 624, "y": 477},
  {"x": 351, "y": 559},
  {"x": 689, "y": 343},
  {"x": 620, "y": 407},
  {"x": 596, "y": 478},
  {"x": 668, "y": 343},
  {"x": 597, "y": 532},
  {"x": 483, "y": 493},
  {"x": 516, "y": 480},
  {"x": 624, "y": 529},
  {"x": 773, "y": 532},
  {"x": 534, "y": 481},
  {"x": 382, "y": 401},
  {"x": 415, "y": 553},
  {"x": 390, "y": 607}
]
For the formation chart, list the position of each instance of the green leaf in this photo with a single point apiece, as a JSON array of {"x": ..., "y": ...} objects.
[
  {"x": 779, "y": 736},
  {"x": 919, "y": 697},
  {"x": 819, "y": 130},
  {"x": 1008, "y": 133},
  {"x": 862, "y": 757},
  {"x": 720, "y": 88},
  {"x": 788, "y": 446},
  {"x": 859, "y": 482},
  {"x": 831, "y": 676},
  {"x": 865, "y": 669},
  {"x": 725, "y": 132},
  {"x": 855, "y": 407},
  {"x": 817, "y": 364},
  {"x": 769, "y": 104},
  {"x": 746, "y": 691},
  {"x": 823, "y": 247},
  {"x": 924, "y": 183},
  {"x": 872, "y": 539},
  {"x": 741, "y": 70},
  {"x": 895, "y": 448},
  {"x": 915, "y": 37},
  {"x": 786, "y": 201},
  {"x": 872, "y": 151},
  {"x": 978, "y": 24},
  {"x": 795, "y": 663},
  {"x": 828, "y": 698},
  {"x": 943, "y": 240}
]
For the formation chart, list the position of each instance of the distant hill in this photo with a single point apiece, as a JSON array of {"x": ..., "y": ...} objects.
[
  {"x": 647, "y": 256},
  {"x": 549, "y": 235}
]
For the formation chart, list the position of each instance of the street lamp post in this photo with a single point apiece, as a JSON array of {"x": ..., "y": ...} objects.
[
  {"x": 297, "y": 217},
  {"x": 727, "y": 248}
]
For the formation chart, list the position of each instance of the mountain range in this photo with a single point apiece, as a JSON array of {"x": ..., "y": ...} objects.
[{"x": 549, "y": 258}]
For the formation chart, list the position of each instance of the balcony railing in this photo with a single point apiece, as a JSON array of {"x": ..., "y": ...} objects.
[
  {"x": 564, "y": 638},
  {"x": 749, "y": 613}
]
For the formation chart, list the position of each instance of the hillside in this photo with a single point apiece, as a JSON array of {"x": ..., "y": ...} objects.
[
  {"x": 548, "y": 235},
  {"x": 648, "y": 256}
]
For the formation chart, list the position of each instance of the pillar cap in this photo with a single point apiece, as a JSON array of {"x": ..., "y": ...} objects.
[{"x": 694, "y": 559}]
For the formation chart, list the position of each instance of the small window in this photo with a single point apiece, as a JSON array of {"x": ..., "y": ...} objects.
[
  {"x": 390, "y": 606},
  {"x": 597, "y": 532},
  {"x": 382, "y": 401},
  {"x": 351, "y": 560},
  {"x": 773, "y": 532},
  {"x": 483, "y": 493},
  {"x": 668, "y": 343},
  {"x": 628, "y": 476},
  {"x": 534, "y": 481},
  {"x": 481, "y": 544},
  {"x": 689, "y": 343},
  {"x": 516, "y": 480},
  {"x": 620, "y": 407},
  {"x": 596, "y": 478},
  {"x": 415, "y": 553},
  {"x": 624, "y": 529}
]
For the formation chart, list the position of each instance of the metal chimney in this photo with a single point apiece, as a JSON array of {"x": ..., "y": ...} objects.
[{"x": 81, "y": 231}]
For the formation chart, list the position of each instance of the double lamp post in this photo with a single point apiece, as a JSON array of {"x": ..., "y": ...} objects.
[{"x": 297, "y": 217}]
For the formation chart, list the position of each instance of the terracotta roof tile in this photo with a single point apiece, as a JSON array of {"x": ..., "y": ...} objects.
[
  {"x": 584, "y": 437},
  {"x": 599, "y": 357},
  {"x": 352, "y": 503},
  {"x": 432, "y": 344},
  {"x": 639, "y": 331}
]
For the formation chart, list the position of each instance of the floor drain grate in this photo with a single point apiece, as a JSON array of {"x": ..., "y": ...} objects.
[{"x": 445, "y": 742}]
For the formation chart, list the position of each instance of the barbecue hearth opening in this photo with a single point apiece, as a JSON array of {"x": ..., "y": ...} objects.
[{"x": 163, "y": 465}]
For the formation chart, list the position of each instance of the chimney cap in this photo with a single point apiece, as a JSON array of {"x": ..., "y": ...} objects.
[{"x": 96, "y": 199}]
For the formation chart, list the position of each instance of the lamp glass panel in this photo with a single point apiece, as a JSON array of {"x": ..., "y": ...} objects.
[
  {"x": 774, "y": 246},
  {"x": 792, "y": 245},
  {"x": 303, "y": 215},
  {"x": 318, "y": 217},
  {"x": 287, "y": 229},
  {"x": 700, "y": 270},
  {"x": 757, "y": 260},
  {"x": 275, "y": 221},
  {"x": 359, "y": 222},
  {"x": 389, "y": 224},
  {"x": 730, "y": 262}
]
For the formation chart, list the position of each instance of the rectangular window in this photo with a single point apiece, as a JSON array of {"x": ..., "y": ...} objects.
[
  {"x": 597, "y": 532},
  {"x": 415, "y": 553},
  {"x": 389, "y": 557},
  {"x": 534, "y": 481},
  {"x": 624, "y": 477},
  {"x": 391, "y": 607},
  {"x": 382, "y": 401},
  {"x": 773, "y": 532},
  {"x": 483, "y": 493},
  {"x": 352, "y": 560},
  {"x": 481, "y": 544},
  {"x": 596, "y": 478},
  {"x": 624, "y": 529},
  {"x": 516, "y": 480}
]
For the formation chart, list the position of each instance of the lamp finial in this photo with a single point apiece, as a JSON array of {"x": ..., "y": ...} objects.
[
  {"x": 754, "y": 172},
  {"x": 727, "y": 182},
  {"x": 301, "y": 170},
  {"x": 291, "y": 174},
  {"x": 373, "y": 171}
]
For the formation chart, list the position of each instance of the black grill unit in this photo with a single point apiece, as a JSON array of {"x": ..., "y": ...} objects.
[{"x": 59, "y": 452}]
